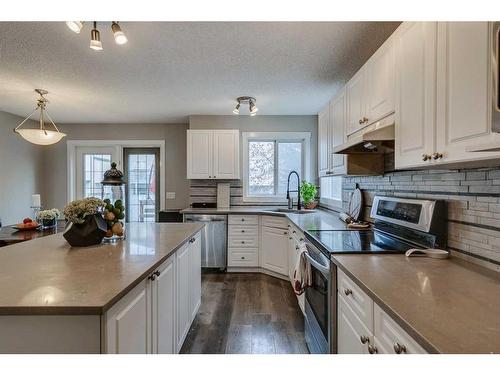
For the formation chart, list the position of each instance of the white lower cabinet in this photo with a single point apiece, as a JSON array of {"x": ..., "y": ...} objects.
[
  {"x": 155, "y": 316},
  {"x": 274, "y": 250},
  {"x": 353, "y": 336},
  {"x": 365, "y": 328}
]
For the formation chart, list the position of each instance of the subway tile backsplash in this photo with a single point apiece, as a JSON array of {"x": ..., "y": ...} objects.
[{"x": 473, "y": 197}]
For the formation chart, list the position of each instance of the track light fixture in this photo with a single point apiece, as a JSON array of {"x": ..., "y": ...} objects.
[
  {"x": 95, "y": 37},
  {"x": 251, "y": 105}
]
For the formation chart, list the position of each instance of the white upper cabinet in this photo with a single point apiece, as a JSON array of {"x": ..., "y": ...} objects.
[
  {"x": 380, "y": 76},
  {"x": 199, "y": 154},
  {"x": 356, "y": 102},
  {"x": 213, "y": 154},
  {"x": 415, "y": 45},
  {"x": 323, "y": 141},
  {"x": 337, "y": 125},
  {"x": 463, "y": 90},
  {"x": 226, "y": 154}
]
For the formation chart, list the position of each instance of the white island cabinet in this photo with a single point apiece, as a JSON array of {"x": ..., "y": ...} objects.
[{"x": 155, "y": 316}]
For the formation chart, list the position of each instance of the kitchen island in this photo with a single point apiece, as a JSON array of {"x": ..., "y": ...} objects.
[{"x": 134, "y": 296}]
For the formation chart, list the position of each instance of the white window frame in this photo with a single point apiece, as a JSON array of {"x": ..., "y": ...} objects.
[
  {"x": 331, "y": 203},
  {"x": 72, "y": 145},
  {"x": 304, "y": 137}
]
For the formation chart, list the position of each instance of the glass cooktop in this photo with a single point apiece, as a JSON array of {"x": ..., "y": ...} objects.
[{"x": 354, "y": 242}]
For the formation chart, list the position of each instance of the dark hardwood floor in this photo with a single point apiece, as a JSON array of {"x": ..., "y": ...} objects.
[{"x": 246, "y": 313}]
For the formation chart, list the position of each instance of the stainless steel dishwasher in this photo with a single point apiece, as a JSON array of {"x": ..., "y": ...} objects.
[{"x": 213, "y": 239}]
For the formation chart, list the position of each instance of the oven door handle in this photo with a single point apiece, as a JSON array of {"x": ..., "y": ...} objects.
[{"x": 324, "y": 270}]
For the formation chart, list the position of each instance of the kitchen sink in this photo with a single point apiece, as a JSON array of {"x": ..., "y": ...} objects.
[{"x": 292, "y": 211}]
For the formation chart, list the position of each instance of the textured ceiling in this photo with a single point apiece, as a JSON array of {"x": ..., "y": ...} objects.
[{"x": 171, "y": 70}]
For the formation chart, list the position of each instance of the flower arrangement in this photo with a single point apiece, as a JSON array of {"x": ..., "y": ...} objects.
[
  {"x": 308, "y": 193},
  {"x": 51, "y": 214},
  {"x": 78, "y": 210}
]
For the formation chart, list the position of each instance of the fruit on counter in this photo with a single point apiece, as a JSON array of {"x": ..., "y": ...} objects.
[
  {"x": 121, "y": 216},
  {"x": 107, "y": 201},
  {"x": 119, "y": 204},
  {"x": 117, "y": 229},
  {"x": 109, "y": 233},
  {"x": 108, "y": 215},
  {"x": 27, "y": 220},
  {"x": 27, "y": 225}
]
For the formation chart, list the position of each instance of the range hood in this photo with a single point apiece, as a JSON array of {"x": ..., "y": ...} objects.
[{"x": 377, "y": 137}]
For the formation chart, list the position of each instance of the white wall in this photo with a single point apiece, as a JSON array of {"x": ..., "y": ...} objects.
[{"x": 21, "y": 171}]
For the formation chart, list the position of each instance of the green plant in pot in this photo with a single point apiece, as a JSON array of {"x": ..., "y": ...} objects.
[{"x": 308, "y": 193}]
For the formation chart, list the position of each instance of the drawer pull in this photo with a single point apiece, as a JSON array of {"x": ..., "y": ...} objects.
[
  {"x": 242, "y": 231},
  {"x": 372, "y": 349},
  {"x": 347, "y": 291},
  {"x": 242, "y": 219},
  {"x": 398, "y": 348},
  {"x": 364, "y": 339},
  {"x": 242, "y": 257},
  {"x": 285, "y": 232},
  {"x": 242, "y": 241}
]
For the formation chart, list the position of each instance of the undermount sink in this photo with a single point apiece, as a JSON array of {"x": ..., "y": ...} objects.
[{"x": 292, "y": 211}]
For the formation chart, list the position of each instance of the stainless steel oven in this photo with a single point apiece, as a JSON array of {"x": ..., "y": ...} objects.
[{"x": 319, "y": 306}]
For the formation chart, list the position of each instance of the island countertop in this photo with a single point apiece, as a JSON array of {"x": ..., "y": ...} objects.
[{"x": 46, "y": 276}]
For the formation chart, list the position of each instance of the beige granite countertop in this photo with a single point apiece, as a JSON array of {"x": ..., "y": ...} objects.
[
  {"x": 47, "y": 276},
  {"x": 448, "y": 306},
  {"x": 319, "y": 219}
]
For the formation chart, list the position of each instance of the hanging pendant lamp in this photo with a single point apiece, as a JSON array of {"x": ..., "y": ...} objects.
[{"x": 40, "y": 136}]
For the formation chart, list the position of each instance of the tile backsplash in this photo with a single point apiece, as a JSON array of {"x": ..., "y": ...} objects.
[
  {"x": 205, "y": 191},
  {"x": 473, "y": 197}
]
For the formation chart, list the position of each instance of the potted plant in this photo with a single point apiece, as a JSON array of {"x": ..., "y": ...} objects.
[
  {"x": 86, "y": 226},
  {"x": 308, "y": 193},
  {"x": 48, "y": 217}
]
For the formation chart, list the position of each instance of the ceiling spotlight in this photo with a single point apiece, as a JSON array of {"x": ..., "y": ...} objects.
[
  {"x": 253, "y": 108},
  {"x": 95, "y": 39},
  {"x": 75, "y": 26},
  {"x": 236, "y": 109},
  {"x": 251, "y": 105},
  {"x": 120, "y": 37}
]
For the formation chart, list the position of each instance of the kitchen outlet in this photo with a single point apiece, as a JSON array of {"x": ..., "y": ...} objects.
[{"x": 170, "y": 194}]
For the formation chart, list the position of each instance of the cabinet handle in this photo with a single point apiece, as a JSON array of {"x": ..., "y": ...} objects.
[
  {"x": 285, "y": 232},
  {"x": 294, "y": 232},
  {"x": 437, "y": 155},
  {"x": 289, "y": 238},
  {"x": 372, "y": 349},
  {"x": 301, "y": 239},
  {"x": 242, "y": 257},
  {"x": 360, "y": 121},
  {"x": 242, "y": 219},
  {"x": 152, "y": 277},
  {"x": 215, "y": 176},
  {"x": 364, "y": 339},
  {"x": 242, "y": 241},
  {"x": 426, "y": 157},
  {"x": 347, "y": 291},
  {"x": 242, "y": 231},
  {"x": 156, "y": 273},
  {"x": 398, "y": 348},
  {"x": 365, "y": 119},
  {"x": 192, "y": 240}
]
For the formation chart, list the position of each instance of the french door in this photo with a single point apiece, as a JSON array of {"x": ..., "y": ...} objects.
[
  {"x": 91, "y": 163},
  {"x": 142, "y": 168}
]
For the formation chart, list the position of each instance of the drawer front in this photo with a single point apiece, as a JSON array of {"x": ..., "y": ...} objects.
[
  {"x": 360, "y": 303},
  {"x": 244, "y": 219},
  {"x": 275, "y": 222},
  {"x": 243, "y": 240},
  {"x": 243, "y": 258},
  {"x": 390, "y": 338},
  {"x": 250, "y": 231}
]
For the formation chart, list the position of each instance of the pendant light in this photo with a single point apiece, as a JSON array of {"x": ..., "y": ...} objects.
[
  {"x": 252, "y": 108},
  {"x": 75, "y": 26},
  {"x": 41, "y": 136},
  {"x": 95, "y": 39}
]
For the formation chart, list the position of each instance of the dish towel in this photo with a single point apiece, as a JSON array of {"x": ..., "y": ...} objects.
[{"x": 302, "y": 274}]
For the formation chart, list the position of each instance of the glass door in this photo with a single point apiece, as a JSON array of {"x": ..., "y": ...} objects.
[
  {"x": 91, "y": 163},
  {"x": 142, "y": 171}
]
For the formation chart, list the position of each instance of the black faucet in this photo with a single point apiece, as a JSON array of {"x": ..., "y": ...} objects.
[{"x": 288, "y": 191}]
